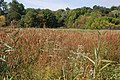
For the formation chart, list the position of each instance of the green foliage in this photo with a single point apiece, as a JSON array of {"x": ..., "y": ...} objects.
[
  {"x": 60, "y": 16},
  {"x": 30, "y": 20},
  {"x": 4, "y": 69},
  {"x": 98, "y": 23},
  {"x": 101, "y": 9},
  {"x": 71, "y": 17},
  {"x": 94, "y": 18},
  {"x": 15, "y": 11},
  {"x": 49, "y": 18},
  {"x": 90, "y": 22},
  {"x": 3, "y": 7},
  {"x": 38, "y": 18},
  {"x": 80, "y": 22},
  {"x": 115, "y": 14}
]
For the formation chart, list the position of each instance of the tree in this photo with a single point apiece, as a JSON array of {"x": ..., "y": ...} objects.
[
  {"x": 40, "y": 19},
  {"x": 67, "y": 9},
  {"x": 32, "y": 18},
  {"x": 115, "y": 14},
  {"x": 15, "y": 11},
  {"x": 60, "y": 17},
  {"x": 85, "y": 10},
  {"x": 114, "y": 8},
  {"x": 91, "y": 19},
  {"x": 80, "y": 22},
  {"x": 29, "y": 20},
  {"x": 71, "y": 17},
  {"x": 101, "y": 9},
  {"x": 3, "y": 7},
  {"x": 50, "y": 20}
]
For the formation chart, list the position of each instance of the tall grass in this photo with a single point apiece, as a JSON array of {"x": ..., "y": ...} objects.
[
  {"x": 97, "y": 63},
  {"x": 43, "y": 54}
]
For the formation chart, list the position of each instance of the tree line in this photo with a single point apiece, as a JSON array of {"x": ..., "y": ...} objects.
[{"x": 99, "y": 17}]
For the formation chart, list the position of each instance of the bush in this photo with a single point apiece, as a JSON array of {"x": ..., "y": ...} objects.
[{"x": 2, "y": 21}]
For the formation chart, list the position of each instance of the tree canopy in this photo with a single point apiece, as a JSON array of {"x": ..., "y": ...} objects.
[{"x": 98, "y": 17}]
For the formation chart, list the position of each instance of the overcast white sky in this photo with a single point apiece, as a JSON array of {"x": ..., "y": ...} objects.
[{"x": 61, "y": 4}]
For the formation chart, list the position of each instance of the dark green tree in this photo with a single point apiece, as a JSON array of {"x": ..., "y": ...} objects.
[
  {"x": 3, "y": 7},
  {"x": 114, "y": 8},
  {"x": 101, "y": 9},
  {"x": 15, "y": 11},
  {"x": 50, "y": 20},
  {"x": 85, "y": 10},
  {"x": 60, "y": 16}
]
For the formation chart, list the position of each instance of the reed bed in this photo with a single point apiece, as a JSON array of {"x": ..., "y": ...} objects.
[{"x": 51, "y": 54}]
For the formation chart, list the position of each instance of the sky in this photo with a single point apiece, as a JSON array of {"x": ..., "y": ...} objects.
[{"x": 62, "y": 4}]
